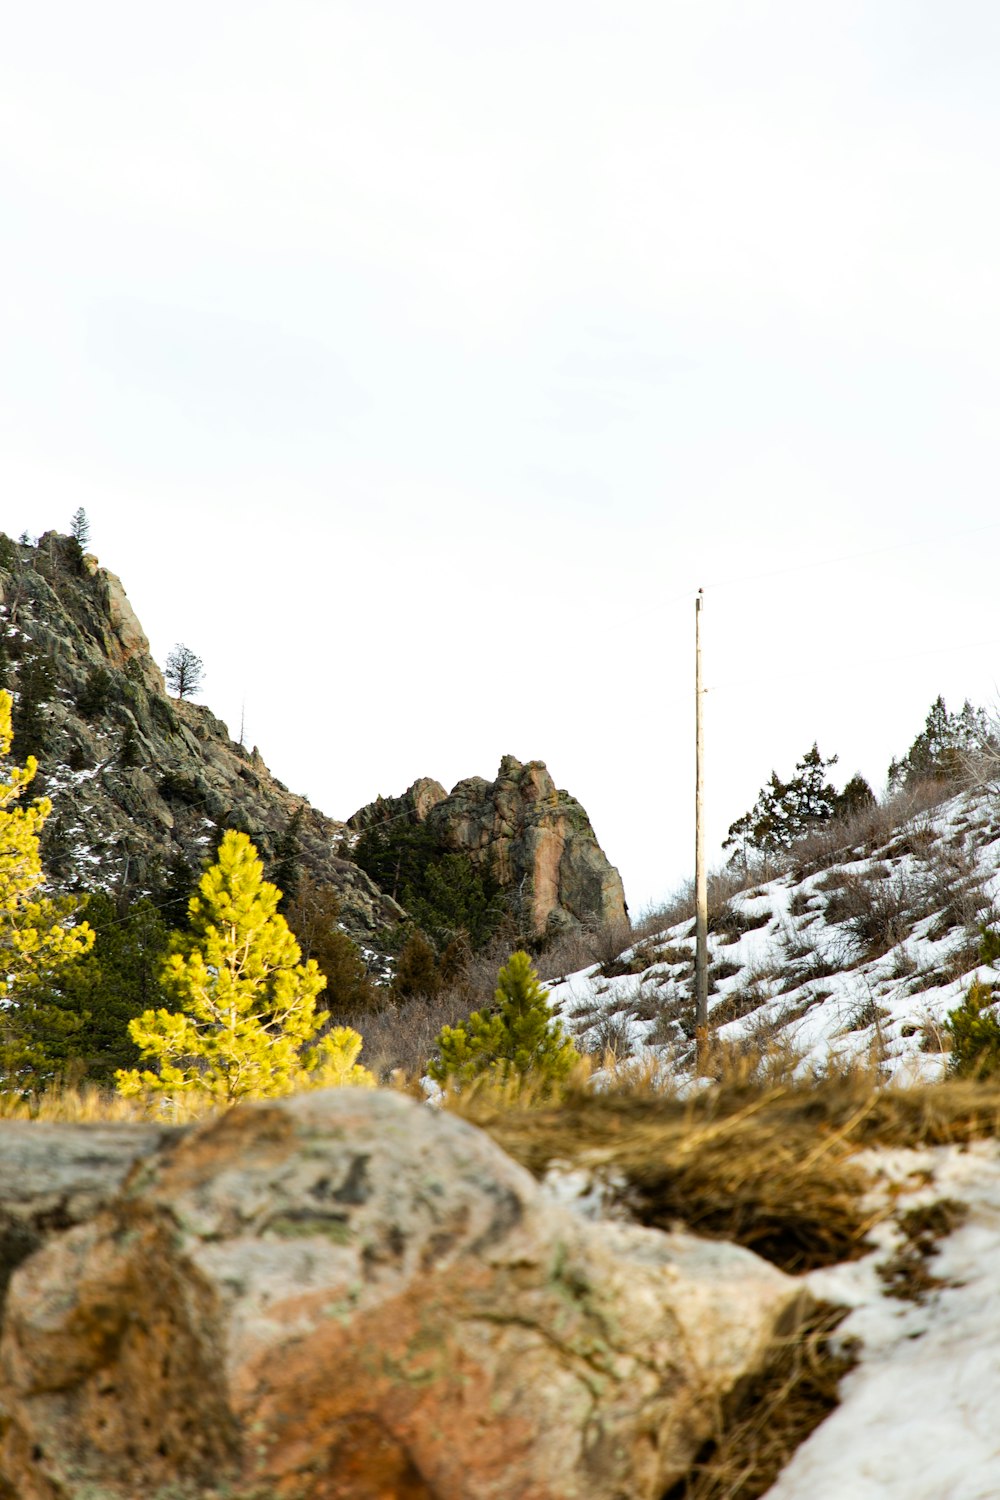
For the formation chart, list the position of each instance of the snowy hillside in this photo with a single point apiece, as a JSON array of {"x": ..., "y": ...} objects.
[{"x": 859, "y": 953}]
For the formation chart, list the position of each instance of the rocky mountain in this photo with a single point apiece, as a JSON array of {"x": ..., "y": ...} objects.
[
  {"x": 144, "y": 783},
  {"x": 534, "y": 841}
]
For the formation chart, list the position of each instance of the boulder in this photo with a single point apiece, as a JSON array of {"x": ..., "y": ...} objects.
[
  {"x": 348, "y": 1294},
  {"x": 53, "y": 1176}
]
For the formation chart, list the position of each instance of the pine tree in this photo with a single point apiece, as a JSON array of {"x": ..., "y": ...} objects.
[
  {"x": 80, "y": 527},
  {"x": 37, "y": 932},
  {"x": 973, "y": 1025},
  {"x": 314, "y": 916},
  {"x": 246, "y": 1024},
  {"x": 518, "y": 1039},
  {"x": 101, "y": 992},
  {"x": 944, "y": 747},
  {"x": 416, "y": 972},
  {"x": 856, "y": 797},
  {"x": 184, "y": 671},
  {"x": 785, "y": 810},
  {"x": 35, "y": 690},
  {"x": 287, "y": 864}
]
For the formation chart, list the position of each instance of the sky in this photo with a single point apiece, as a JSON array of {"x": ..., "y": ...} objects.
[{"x": 416, "y": 365}]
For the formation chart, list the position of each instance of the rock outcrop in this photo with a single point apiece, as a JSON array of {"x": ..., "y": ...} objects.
[
  {"x": 139, "y": 780},
  {"x": 536, "y": 842},
  {"x": 348, "y": 1295}
]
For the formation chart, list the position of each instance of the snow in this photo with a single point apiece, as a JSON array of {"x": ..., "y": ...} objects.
[
  {"x": 918, "y": 1415},
  {"x": 886, "y": 1008}
]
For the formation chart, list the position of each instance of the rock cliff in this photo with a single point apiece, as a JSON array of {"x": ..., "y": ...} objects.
[
  {"x": 347, "y": 1295},
  {"x": 535, "y": 841},
  {"x": 141, "y": 781}
]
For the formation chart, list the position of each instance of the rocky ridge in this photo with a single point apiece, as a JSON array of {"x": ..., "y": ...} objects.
[
  {"x": 533, "y": 839},
  {"x": 142, "y": 783}
]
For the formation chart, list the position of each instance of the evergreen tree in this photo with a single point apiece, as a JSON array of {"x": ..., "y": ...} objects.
[
  {"x": 184, "y": 671},
  {"x": 518, "y": 1039},
  {"x": 80, "y": 527},
  {"x": 104, "y": 990},
  {"x": 417, "y": 973},
  {"x": 446, "y": 896},
  {"x": 856, "y": 797},
  {"x": 944, "y": 746},
  {"x": 37, "y": 932},
  {"x": 786, "y": 810},
  {"x": 286, "y": 871},
  {"x": 455, "y": 901},
  {"x": 246, "y": 1024},
  {"x": 973, "y": 1025},
  {"x": 35, "y": 690},
  {"x": 395, "y": 854},
  {"x": 95, "y": 695},
  {"x": 314, "y": 917}
]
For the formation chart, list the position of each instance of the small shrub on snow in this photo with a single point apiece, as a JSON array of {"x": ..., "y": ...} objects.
[{"x": 975, "y": 1034}]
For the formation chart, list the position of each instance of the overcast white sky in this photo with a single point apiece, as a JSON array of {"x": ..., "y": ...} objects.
[{"x": 416, "y": 364}]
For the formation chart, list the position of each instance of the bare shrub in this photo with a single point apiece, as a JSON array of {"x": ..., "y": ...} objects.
[
  {"x": 400, "y": 1038},
  {"x": 740, "y": 1002},
  {"x": 951, "y": 887},
  {"x": 611, "y": 1036},
  {"x": 866, "y": 831},
  {"x": 875, "y": 913},
  {"x": 580, "y": 948},
  {"x": 722, "y": 886}
]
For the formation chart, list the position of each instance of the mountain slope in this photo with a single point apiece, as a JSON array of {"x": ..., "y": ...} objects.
[
  {"x": 144, "y": 784},
  {"x": 857, "y": 954}
]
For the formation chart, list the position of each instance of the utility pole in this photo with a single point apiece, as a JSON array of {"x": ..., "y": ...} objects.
[{"x": 700, "y": 876}]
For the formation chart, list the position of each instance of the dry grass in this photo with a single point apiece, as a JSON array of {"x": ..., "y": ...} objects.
[
  {"x": 759, "y": 1156},
  {"x": 868, "y": 831},
  {"x": 758, "y": 1431},
  {"x": 77, "y": 1105},
  {"x": 90, "y": 1105}
]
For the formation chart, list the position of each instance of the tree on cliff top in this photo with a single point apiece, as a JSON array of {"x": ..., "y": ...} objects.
[{"x": 246, "y": 1024}]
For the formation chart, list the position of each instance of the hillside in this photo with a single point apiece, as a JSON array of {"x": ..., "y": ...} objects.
[
  {"x": 144, "y": 783},
  {"x": 858, "y": 949},
  {"x": 141, "y": 783}
]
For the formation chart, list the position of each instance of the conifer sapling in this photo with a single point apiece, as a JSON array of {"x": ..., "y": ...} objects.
[
  {"x": 519, "y": 1038},
  {"x": 246, "y": 1024}
]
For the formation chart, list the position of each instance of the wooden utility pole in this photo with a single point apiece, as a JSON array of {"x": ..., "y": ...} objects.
[{"x": 700, "y": 876}]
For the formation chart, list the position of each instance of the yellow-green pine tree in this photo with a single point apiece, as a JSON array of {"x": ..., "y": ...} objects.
[
  {"x": 36, "y": 931},
  {"x": 246, "y": 1023}
]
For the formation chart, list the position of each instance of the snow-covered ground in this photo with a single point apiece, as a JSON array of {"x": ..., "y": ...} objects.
[
  {"x": 918, "y": 1414},
  {"x": 862, "y": 959}
]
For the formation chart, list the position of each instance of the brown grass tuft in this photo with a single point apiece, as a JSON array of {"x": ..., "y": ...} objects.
[
  {"x": 760, "y": 1429},
  {"x": 759, "y": 1156}
]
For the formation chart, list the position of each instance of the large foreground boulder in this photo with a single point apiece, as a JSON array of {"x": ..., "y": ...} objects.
[{"x": 347, "y": 1295}]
